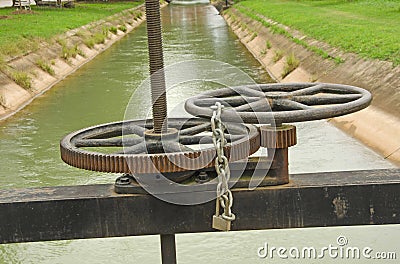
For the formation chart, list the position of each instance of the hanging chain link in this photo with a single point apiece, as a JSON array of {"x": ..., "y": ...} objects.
[{"x": 224, "y": 195}]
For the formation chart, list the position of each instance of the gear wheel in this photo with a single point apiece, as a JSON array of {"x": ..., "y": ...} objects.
[
  {"x": 142, "y": 152},
  {"x": 278, "y": 137}
]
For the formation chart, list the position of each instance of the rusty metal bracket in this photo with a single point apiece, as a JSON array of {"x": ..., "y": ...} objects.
[{"x": 266, "y": 171}]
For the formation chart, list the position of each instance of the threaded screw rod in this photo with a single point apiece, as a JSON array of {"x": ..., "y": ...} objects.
[{"x": 156, "y": 61}]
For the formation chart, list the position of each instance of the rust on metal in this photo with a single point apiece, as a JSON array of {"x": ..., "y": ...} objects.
[
  {"x": 141, "y": 156},
  {"x": 278, "y": 137}
]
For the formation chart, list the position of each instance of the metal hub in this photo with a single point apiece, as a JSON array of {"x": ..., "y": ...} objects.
[{"x": 171, "y": 134}]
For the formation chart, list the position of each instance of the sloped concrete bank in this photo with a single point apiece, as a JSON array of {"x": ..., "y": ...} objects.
[
  {"x": 378, "y": 126},
  {"x": 25, "y": 78}
]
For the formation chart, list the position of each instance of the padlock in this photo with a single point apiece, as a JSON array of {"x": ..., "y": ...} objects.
[{"x": 218, "y": 222}]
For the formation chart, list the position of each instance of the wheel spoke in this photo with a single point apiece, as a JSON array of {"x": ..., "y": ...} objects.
[
  {"x": 257, "y": 106},
  {"x": 326, "y": 99},
  {"x": 171, "y": 147},
  {"x": 191, "y": 140},
  {"x": 246, "y": 91},
  {"x": 309, "y": 90},
  {"x": 136, "y": 149},
  {"x": 195, "y": 129},
  {"x": 228, "y": 102},
  {"x": 324, "y": 88},
  {"x": 111, "y": 142},
  {"x": 285, "y": 104},
  {"x": 284, "y": 87},
  {"x": 133, "y": 129}
]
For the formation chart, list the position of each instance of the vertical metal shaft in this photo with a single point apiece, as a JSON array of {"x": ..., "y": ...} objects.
[
  {"x": 168, "y": 249},
  {"x": 156, "y": 60}
]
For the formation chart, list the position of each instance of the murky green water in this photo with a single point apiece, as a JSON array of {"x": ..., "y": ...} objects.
[{"x": 99, "y": 93}]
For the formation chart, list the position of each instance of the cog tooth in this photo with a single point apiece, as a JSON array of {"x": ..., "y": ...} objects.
[{"x": 278, "y": 137}]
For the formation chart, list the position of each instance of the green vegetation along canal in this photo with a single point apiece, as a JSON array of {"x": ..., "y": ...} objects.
[{"x": 99, "y": 92}]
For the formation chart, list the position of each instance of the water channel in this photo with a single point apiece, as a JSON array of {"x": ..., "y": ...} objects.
[{"x": 99, "y": 93}]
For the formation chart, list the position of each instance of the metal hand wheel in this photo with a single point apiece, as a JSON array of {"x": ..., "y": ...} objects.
[
  {"x": 132, "y": 147},
  {"x": 281, "y": 102}
]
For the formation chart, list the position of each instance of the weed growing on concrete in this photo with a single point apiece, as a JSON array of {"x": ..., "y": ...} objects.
[
  {"x": 97, "y": 38},
  {"x": 68, "y": 51},
  {"x": 45, "y": 67},
  {"x": 81, "y": 33},
  {"x": 278, "y": 55},
  {"x": 89, "y": 42},
  {"x": 81, "y": 53},
  {"x": 253, "y": 36},
  {"x": 113, "y": 30},
  {"x": 105, "y": 31},
  {"x": 291, "y": 64},
  {"x": 122, "y": 28},
  {"x": 21, "y": 78},
  {"x": 268, "y": 44}
]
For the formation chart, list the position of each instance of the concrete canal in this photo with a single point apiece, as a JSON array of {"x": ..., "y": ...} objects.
[{"x": 99, "y": 93}]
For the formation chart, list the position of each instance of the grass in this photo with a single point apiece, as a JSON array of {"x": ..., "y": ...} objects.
[
  {"x": 96, "y": 38},
  {"x": 278, "y": 55},
  {"x": 21, "y": 33},
  {"x": 67, "y": 50},
  {"x": 45, "y": 67},
  {"x": 137, "y": 15},
  {"x": 268, "y": 44},
  {"x": 122, "y": 28},
  {"x": 253, "y": 36},
  {"x": 21, "y": 78},
  {"x": 291, "y": 64},
  {"x": 370, "y": 28},
  {"x": 263, "y": 52},
  {"x": 113, "y": 30}
]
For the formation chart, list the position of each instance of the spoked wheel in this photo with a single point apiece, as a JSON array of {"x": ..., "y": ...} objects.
[
  {"x": 132, "y": 147},
  {"x": 281, "y": 103}
]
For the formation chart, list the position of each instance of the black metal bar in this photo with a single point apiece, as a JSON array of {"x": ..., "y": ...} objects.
[
  {"x": 168, "y": 249},
  {"x": 93, "y": 211}
]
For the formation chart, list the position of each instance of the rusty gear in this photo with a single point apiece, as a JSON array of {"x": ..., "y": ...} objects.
[
  {"x": 278, "y": 137},
  {"x": 145, "y": 152}
]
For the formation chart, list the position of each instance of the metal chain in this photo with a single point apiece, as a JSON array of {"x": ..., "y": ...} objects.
[{"x": 224, "y": 195}]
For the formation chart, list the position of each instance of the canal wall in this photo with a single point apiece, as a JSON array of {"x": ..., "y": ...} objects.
[
  {"x": 24, "y": 78},
  {"x": 378, "y": 126}
]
